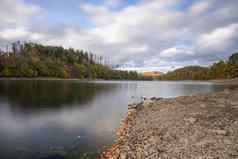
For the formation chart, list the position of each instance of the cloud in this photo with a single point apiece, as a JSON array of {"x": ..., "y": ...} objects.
[
  {"x": 19, "y": 33},
  {"x": 176, "y": 51},
  {"x": 99, "y": 15},
  {"x": 201, "y": 7},
  {"x": 219, "y": 39},
  {"x": 114, "y": 3},
  {"x": 16, "y": 12},
  {"x": 137, "y": 34},
  {"x": 138, "y": 49},
  {"x": 153, "y": 34},
  {"x": 16, "y": 21}
]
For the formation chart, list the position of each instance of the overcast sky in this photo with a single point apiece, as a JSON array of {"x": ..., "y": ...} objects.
[{"x": 137, "y": 34}]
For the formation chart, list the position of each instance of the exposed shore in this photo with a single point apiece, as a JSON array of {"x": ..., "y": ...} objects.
[
  {"x": 203, "y": 126},
  {"x": 233, "y": 81}
]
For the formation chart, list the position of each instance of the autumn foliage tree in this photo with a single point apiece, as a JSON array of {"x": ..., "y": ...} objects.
[{"x": 37, "y": 60}]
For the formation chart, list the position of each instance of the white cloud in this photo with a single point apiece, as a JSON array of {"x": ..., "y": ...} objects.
[
  {"x": 138, "y": 49},
  {"x": 15, "y": 12},
  {"x": 132, "y": 21},
  {"x": 19, "y": 33},
  {"x": 157, "y": 29},
  {"x": 114, "y": 33},
  {"x": 71, "y": 38},
  {"x": 100, "y": 15},
  {"x": 219, "y": 39},
  {"x": 176, "y": 51},
  {"x": 11, "y": 34},
  {"x": 201, "y": 6},
  {"x": 113, "y": 3}
]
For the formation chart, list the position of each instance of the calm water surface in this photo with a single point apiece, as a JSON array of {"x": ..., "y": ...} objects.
[{"x": 54, "y": 119}]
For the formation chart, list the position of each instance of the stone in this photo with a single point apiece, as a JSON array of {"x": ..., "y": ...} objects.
[
  {"x": 219, "y": 132},
  {"x": 191, "y": 120},
  {"x": 123, "y": 155}
]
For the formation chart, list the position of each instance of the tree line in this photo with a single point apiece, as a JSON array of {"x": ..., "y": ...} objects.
[
  {"x": 219, "y": 70},
  {"x": 36, "y": 60}
]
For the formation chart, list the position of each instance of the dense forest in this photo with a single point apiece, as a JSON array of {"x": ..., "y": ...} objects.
[
  {"x": 219, "y": 70},
  {"x": 36, "y": 60}
]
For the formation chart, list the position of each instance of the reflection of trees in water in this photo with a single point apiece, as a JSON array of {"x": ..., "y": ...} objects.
[{"x": 50, "y": 94}]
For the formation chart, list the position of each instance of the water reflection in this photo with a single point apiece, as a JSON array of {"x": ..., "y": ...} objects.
[
  {"x": 40, "y": 117},
  {"x": 41, "y": 93}
]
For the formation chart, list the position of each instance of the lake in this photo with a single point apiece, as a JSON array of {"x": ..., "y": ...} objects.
[{"x": 54, "y": 119}]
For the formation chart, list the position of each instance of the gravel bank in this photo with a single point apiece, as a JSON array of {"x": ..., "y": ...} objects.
[
  {"x": 203, "y": 126},
  {"x": 233, "y": 81}
]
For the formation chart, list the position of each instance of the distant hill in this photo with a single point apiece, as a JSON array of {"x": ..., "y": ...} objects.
[
  {"x": 219, "y": 70},
  {"x": 187, "y": 73},
  {"x": 152, "y": 74}
]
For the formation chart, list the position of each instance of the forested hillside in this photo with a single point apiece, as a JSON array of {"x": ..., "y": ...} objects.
[
  {"x": 219, "y": 70},
  {"x": 35, "y": 60}
]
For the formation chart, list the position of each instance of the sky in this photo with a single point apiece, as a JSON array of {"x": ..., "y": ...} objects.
[{"x": 143, "y": 35}]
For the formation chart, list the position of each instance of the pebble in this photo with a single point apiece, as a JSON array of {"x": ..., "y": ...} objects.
[
  {"x": 219, "y": 132},
  {"x": 191, "y": 120}
]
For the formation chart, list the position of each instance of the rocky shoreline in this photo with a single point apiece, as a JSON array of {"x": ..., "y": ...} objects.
[{"x": 202, "y": 126}]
